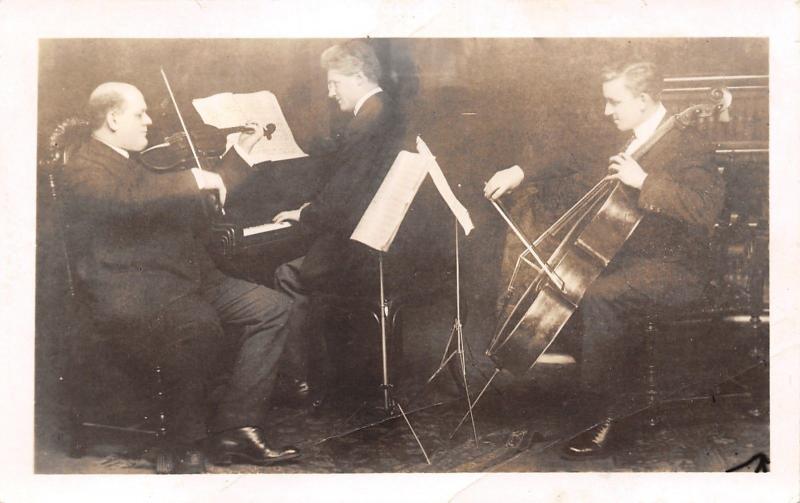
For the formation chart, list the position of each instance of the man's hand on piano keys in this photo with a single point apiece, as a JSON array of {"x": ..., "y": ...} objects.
[{"x": 290, "y": 215}]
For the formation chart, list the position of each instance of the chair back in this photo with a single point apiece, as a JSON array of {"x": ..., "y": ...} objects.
[
  {"x": 66, "y": 321},
  {"x": 64, "y": 141}
]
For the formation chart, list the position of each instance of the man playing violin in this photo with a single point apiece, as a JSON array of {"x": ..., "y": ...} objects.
[
  {"x": 155, "y": 293},
  {"x": 664, "y": 264}
]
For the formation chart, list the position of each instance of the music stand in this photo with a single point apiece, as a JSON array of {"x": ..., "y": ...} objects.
[
  {"x": 530, "y": 249},
  {"x": 457, "y": 334},
  {"x": 378, "y": 228},
  {"x": 389, "y": 402}
]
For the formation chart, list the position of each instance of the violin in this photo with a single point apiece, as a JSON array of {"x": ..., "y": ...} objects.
[
  {"x": 186, "y": 150},
  {"x": 175, "y": 151}
]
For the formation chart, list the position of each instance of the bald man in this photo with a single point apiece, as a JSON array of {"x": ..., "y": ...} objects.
[{"x": 155, "y": 293}]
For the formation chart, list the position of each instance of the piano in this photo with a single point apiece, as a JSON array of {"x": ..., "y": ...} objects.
[
  {"x": 244, "y": 242},
  {"x": 231, "y": 240}
]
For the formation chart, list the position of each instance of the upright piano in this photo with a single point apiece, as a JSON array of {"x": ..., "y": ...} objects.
[{"x": 244, "y": 242}]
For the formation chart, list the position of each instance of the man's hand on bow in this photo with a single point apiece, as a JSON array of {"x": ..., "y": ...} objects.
[
  {"x": 502, "y": 182},
  {"x": 208, "y": 180}
]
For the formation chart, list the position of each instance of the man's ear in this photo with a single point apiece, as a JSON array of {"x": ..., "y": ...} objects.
[{"x": 111, "y": 120}]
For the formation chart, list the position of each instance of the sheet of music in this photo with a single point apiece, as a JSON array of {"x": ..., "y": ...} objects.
[
  {"x": 380, "y": 223},
  {"x": 458, "y": 209},
  {"x": 229, "y": 110}
]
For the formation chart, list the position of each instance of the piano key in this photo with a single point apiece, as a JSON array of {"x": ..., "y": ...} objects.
[{"x": 269, "y": 227}]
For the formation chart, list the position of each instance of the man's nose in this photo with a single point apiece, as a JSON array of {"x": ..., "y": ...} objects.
[
  {"x": 147, "y": 120},
  {"x": 609, "y": 109},
  {"x": 331, "y": 92}
]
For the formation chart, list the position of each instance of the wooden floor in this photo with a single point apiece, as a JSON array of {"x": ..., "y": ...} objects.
[{"x": 713, "y": 414}]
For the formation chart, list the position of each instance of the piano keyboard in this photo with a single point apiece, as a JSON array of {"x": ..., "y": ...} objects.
[{"x": 259, "y": 229}]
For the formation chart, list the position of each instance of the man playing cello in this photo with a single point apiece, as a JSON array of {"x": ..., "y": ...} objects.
[{"x": 664, "y": 264}]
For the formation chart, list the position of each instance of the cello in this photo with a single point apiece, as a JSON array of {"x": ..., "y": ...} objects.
[{"x": 589, "y": 235}]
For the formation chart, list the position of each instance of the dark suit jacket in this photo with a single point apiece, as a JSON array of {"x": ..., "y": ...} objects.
[
  {"x": 135, "y": 234},
  {"x": 368, "y": 147},
  {"x": 682, "y": 197}
]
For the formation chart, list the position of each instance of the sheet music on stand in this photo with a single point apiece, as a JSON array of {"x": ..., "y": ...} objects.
[
  {"x": 381, "y": 221},
  {"x": 458, "y": 209},
  {"x": 229, "y": 110},
  {"x": 379, "y": 225}
]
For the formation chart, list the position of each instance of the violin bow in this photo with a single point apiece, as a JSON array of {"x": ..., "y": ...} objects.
[{"x": 183, "y": 125}]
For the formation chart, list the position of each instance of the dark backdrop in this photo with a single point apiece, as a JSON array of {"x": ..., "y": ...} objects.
[{"x": 477, "y": 102}]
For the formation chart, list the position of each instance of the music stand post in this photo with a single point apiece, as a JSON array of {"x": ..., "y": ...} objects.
[{"x": 389, "y": 403}]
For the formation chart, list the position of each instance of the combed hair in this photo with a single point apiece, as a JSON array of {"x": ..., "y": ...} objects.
[
  {"x": 640, "y": 77},
  {"x": 104, "y": 98},
  {"x": 352, "y": 57}
]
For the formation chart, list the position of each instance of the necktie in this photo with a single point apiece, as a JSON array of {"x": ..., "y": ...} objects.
[{"x": 629, "y": 142}]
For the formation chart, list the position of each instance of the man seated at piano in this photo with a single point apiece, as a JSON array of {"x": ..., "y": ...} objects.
[
  {"x": 665, "y": 262},
  {"x": 154, "y": 292},
  {"x": 363, "y": 155}
]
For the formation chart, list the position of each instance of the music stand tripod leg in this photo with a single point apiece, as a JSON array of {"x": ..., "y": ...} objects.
[
  {"x": 475, "y": 403},
  {"x": 446, "y": 356},
  {"x": 466, "y": 384}
]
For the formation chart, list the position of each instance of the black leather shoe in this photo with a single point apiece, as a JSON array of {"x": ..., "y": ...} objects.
[
  {"x": 593, "y": 442},
  {"x": 246, "y": 444},
  {"x": 190, "y": 461}
]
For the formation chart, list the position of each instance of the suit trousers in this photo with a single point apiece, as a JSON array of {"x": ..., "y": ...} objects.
[
  {"x": 631, "y": 287},
  {"x": 231, "y": 334},
  {"x": 306, "y": 346}
]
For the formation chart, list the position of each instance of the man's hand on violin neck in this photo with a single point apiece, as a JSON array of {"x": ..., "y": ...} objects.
[
  {"x": 208, "y": 180},
  {"x": 249, "y": 137},
  {"x": 624, "y": 168}
]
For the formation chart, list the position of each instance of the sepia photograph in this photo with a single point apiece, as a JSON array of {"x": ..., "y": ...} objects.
[{"x": 441, "y": 256}]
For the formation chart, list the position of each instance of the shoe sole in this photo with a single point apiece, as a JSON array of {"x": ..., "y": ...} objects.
[
  {"x": 580, "y": 457},
  {"x": 228, "y": 459}
]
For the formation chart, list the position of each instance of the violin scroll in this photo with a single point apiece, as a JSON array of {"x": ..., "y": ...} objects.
[{"x": 269, "y": 130}]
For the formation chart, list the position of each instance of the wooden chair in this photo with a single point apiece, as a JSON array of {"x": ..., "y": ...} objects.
[{"x": 80, "y": 358}]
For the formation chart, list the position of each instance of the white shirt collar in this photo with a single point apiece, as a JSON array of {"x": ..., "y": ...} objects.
[
  {"x": 646, "y": 129},
  {"x": 124, "y": 153},
  {"x": 364, "y": 98}
]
